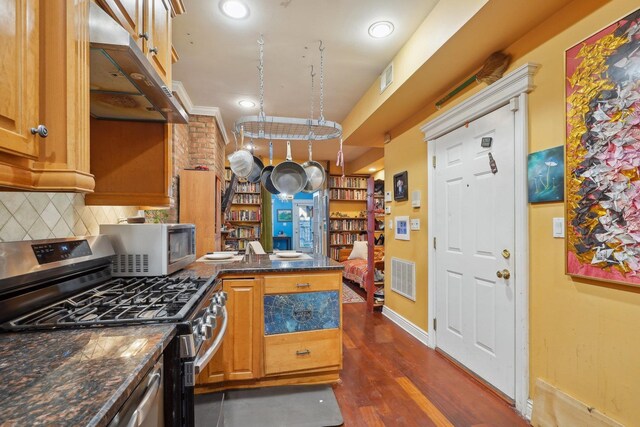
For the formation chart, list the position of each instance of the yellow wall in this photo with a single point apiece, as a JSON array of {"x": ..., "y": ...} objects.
[
  {"x": 407, "y": 152},
  {"x": 585, "y": 336}
]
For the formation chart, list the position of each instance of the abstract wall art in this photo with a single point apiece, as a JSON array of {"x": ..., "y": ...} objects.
[
  {"x": 603, "y": 154},
  {"x": 545, "y": 175}
]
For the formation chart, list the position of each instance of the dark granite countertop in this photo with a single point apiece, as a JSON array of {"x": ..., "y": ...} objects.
[
  {"x": 74, "y": 377},
  {"x": 258, "y": 264}
]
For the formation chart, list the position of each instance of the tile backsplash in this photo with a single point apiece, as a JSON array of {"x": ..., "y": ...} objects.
[{"x": 27, "y": 216}]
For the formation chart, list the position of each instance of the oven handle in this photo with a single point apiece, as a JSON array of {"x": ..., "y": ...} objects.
[
  {"x": 143, "y": 408},
  {"x": 202, "y": 362}
]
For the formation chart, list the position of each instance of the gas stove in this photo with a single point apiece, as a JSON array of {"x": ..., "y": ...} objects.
[
  {"x": 119, "y": 301},
  {"x": 67, "y": 283}
]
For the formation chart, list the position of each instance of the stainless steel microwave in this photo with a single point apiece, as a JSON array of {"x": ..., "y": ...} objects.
[{"x": 150, "y": 249}]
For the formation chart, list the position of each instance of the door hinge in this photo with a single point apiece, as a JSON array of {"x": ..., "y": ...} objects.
[
  {"x": 433, "y": 160},
  {"x": 434, "y": 243},
  {"x": 435, "y": 324}
]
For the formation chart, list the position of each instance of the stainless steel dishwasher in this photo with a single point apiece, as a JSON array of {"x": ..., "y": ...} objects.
[{"x": 145, "y": 406}]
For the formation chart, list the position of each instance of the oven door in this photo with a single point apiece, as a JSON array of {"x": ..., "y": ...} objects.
[
  {"x": 145, "y": 406},
  {"x": 181, "y": 246}
]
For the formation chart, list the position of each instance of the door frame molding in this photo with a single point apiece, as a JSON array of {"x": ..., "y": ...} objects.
[{"x": 512, "y": 89}]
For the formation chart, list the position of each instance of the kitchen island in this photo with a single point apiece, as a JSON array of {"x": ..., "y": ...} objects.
[{"x": 284, "y": 322}]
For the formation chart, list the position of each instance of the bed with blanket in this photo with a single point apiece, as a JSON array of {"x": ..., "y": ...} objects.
[{"x": 356, "y": 270}]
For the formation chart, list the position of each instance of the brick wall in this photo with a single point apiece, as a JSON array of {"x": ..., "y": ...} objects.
[
  {"x": 198, "y": 143},
  {"x": 206, "y": 146}
]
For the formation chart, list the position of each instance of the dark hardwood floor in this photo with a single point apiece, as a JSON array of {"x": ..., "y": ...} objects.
[{"x": 391, "y": 379}]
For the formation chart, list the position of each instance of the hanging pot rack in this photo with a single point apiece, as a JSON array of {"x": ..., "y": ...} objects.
[{"x": 288, "y": 128}]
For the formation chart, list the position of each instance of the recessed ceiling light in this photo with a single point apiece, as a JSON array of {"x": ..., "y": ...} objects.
[
  {"x": 234, "y": 9},
  {"x": 380, "y": 29},
  {"x": 245, "y": 103}
]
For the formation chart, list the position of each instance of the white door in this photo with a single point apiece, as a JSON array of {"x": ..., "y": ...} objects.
[
  {"x": 302, "y": 225},
  {"x": 475, "y": 308}
]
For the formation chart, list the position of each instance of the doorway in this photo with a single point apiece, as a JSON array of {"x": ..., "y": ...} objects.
[
  {"x": 511, "y": 90},
  {"x": 303, "y": 225},
  {"x": 474, "y": 231}
]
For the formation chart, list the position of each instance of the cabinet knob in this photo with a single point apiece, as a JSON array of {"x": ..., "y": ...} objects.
[
  {"x": 154, "y": 50},
  {"x": 144, "y": 35},
  {"x": 40, "y": 130}
]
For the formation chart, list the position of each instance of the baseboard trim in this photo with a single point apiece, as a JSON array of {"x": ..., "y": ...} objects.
[
  {"x": 528, "y": 410},
  {"x": 405, "y": 324}
]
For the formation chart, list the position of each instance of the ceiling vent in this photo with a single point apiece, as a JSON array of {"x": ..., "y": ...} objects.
[{"x": 386, "y": 78}]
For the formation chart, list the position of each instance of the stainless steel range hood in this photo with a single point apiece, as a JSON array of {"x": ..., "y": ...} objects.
[{"x": 124, "y": 84}]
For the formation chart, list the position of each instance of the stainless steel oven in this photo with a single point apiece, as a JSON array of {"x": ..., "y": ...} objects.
[
  {"x": 150, "y": 249},
  {"x": 145, "y": 406}
]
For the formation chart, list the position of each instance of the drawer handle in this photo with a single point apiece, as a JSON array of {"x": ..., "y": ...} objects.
[
  {"x": 303, "y": 285},
  {"x": 304, "y": 352}
]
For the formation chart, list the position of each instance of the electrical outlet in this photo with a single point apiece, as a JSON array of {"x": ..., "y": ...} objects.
[
  {"x": 415, "y": 224},
  {"x": 390, "y": 226}
]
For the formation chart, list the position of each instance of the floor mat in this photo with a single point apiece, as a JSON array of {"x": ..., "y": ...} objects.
[
  {"x": 349, "y": 295},
  {"x": 288, "y": 406}
]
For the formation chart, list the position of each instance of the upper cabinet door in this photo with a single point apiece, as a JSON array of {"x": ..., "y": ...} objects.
[
  {"x": 19, "y": 76},
  {"x": 159, "y": 44},
  {"x": 130, "y": 14}
]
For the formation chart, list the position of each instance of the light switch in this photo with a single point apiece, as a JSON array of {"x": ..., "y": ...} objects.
[
  {"x": 558, "y": 227},
  {"x": 387, "y": 196},
  {"x": 390, "y": 226},
  {"x": 415, "y": 224},
  {"x": 387, "y": 210},
  {"x": 415, "y": 199}
]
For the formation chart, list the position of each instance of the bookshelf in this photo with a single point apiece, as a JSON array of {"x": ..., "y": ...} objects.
[
  {"x": 244, "y": 215},
  {"x": 347, "y": 212}
]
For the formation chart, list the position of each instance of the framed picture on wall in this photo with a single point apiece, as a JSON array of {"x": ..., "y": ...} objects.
[
  {"x": 603, "y": 154},
  {"x": 401, "y": 186},
  {"x": 545, "y": 175},
  {"x": 402, "y": 228},
  {"x": 285, "y": 215}
]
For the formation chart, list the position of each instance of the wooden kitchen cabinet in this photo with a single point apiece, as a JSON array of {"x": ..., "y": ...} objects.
[
  {"x": 243, "y": 342},
  {"x": 131, "y": 162},
  {"x": 200, "y": 200},
  {"x": 256, "y": 355},
  {"x": 19, "y": 56},
  {"x": 44, "y": 51},
  {"x": 159, "y": 44}
]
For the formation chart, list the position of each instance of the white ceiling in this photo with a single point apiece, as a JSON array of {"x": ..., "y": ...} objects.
[{"x": 219, "y": 56}]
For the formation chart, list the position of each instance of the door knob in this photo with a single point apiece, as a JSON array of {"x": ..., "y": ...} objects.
[{"x": 504, "y": 274}]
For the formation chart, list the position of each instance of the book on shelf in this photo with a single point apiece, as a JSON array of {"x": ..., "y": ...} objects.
[
  {"x": 347, "y": 238},
  {"x": 243, "y": 215},
  {"x": 348, "y": 224},
  {"x": 344, "y": 194},
  {"x": 348, "y": 181}
]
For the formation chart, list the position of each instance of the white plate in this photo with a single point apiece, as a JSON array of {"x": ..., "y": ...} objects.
[
  {"x": 291, "y": 254},
  {"x": 219, "y": 255}
]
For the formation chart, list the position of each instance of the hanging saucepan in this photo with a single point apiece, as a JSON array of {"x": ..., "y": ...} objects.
[
  {"x": 241, "y": 161},
  {"x": 289, "y": 177},
  {"x": 265, "y": 177},
  {"x": 315, "y": 174},
  {"x": 256, "y": 170}
]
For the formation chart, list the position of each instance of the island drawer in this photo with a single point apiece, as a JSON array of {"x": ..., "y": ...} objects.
[
  {"x": 302, "y": 351},
  {"x": 279, "y": 284}
]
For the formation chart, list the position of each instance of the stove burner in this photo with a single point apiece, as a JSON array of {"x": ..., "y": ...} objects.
[{"x": 120, "y": 301}]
